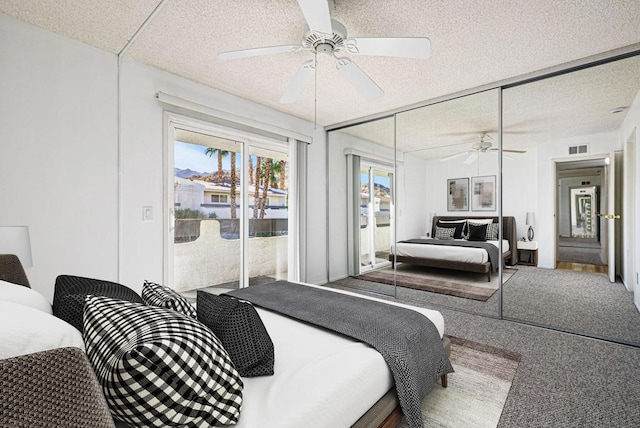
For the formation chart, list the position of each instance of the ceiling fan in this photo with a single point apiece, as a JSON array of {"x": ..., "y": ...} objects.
[
  {"x": 482, "y": 146},
  {"x": 329, "y": 37}
]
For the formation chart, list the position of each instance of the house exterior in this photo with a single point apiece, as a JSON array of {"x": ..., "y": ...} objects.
[{"x": 212, "y": 200}]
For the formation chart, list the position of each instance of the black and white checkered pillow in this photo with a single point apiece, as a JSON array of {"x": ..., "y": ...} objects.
[
  {"x": 158, "y": 367},
  {"x": 164, "y": 297},
  {"x": 492, "y": 232},
  {"x": 445, "y": 233},
  {"x": 238, "y": 326}
]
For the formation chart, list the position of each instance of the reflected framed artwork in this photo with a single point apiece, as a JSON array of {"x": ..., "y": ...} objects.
[
  {"x": 458, "y": 194},
  {"x": 483, "y": 197}
]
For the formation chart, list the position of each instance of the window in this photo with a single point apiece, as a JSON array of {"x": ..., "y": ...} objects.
[{"x": 219, "y": 199}]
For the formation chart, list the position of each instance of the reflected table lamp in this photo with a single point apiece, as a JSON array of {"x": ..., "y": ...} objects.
[{"x": 531, "y": 219}]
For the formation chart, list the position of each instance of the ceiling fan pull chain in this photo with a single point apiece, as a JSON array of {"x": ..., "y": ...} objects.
[{"x": 315, "y": 92}]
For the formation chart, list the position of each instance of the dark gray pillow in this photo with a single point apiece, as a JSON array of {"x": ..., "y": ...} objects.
[
  {"x": 70, "y": 293},
  {"x": 239, "y": 327}
]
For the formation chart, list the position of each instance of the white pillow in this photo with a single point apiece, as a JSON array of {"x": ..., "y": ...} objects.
[
  {"x": 10, "y": 292},
  {"x": 480, "y": 220},
  {"x": 26, "y": 330}
]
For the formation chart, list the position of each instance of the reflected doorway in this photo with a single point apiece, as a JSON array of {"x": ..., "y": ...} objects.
[{"x": 581, "y": 233}]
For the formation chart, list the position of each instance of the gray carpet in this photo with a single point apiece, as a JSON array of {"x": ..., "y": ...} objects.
[
  {"x": 583, "y": 303},
  {"x": 575, "y": 301},
  {"x": 562, "y": 380}
]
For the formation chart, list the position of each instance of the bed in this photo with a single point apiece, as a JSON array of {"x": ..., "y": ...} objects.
[
  {"x": 323, "y": 379},
  {"x": 458, "y": 258}
]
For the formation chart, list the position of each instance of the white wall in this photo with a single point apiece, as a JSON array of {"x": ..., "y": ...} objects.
[
  {"x": 142, "y": 160},
  {"x": 520, "y": 176},
  {"x": 630, "y": 125},
  {"x": 58, "y": 153},
  {"x": 59, "y": 157}
]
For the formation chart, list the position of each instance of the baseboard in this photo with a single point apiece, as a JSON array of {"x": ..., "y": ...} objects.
[{"x": 338, "y": 278}]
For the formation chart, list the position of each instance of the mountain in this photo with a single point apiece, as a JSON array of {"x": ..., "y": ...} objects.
[{"x": 186, "y": 173}]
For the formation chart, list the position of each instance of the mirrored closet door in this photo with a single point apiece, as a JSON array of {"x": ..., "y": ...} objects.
[
  {"x": 576, "y": 185},
  {"x": 449, "y": 155},
  {"x": 362, "y": 215}
]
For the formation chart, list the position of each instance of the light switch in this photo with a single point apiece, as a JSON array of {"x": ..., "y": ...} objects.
[{"x": 147, "y": 213}]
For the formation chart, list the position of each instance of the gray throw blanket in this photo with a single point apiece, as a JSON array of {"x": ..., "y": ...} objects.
[
  {"x": 492, "y": 250},
  {"x": 409, "y": 343}
]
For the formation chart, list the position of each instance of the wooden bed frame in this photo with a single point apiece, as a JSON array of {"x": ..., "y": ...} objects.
[{"x": 508, "y": 232}]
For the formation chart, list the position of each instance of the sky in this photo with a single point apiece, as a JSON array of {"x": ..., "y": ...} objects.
[
  {"x": 191, "y": 156},
  {"x": 377, "y": 179}
]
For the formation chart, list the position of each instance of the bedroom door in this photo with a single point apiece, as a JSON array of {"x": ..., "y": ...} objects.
[{"x": 376, "y": 225}]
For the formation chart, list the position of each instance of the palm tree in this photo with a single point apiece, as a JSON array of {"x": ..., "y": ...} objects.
[
  {"x": 265, "y": 186},
  {"x": 256, "y": 194},
  {"x": 210, "y": 151},
  {"x": 232, "y": 191},
  {"x": 250, "y": 169},
  {"x": 283, "y": 173},
  {"x": 275, "y": 174}
]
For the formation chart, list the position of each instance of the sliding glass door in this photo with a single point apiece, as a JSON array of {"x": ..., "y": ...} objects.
[
  {"x": 268, "y": 214},
  {"x": 376, "y": 226},
  {"x": 228, "y": 207}
]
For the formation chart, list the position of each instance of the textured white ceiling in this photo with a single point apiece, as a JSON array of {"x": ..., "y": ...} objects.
[
  {"x": 545, "y": 111},
  {"x": 473, "y": 43}
]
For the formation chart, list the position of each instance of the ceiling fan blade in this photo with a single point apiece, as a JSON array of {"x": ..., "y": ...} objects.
[
  {"x": 317, "y": 15},
  {"x": 495, "y": 149},
  {"x": 298, "y": 82},
  {"x": 359, "y": 79},
  {"x": 472, "y": 157},
  {"x": 405, "y": 47},
  {"x": 451, "y": 157},
  {"x": 245, "y": 53}
]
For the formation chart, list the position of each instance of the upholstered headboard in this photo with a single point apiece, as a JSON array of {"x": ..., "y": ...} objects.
[
  {"x": 508, "y": 231},
  {"x": 11, "y": 270}
]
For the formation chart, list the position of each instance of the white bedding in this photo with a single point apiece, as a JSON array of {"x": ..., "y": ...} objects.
[
  {"x": 321, "y": 379},
  {"x": 450, "y": 253}
]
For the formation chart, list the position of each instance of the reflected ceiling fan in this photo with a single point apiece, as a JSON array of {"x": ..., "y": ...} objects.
[
  {"x": 329, "y": 37},
  {"x": 483, "y": 146}
]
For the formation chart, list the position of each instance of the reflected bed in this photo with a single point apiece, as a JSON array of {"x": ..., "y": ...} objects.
[{"x": 454, "y": 257}]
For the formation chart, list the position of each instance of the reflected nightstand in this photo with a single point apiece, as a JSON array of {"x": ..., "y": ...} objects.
[{"x": 528, "y": 253}]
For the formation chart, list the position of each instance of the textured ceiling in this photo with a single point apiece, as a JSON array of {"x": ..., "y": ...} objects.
[
  {"x": 546, "y": 111},
  {"x": 473, "y": 43}
]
